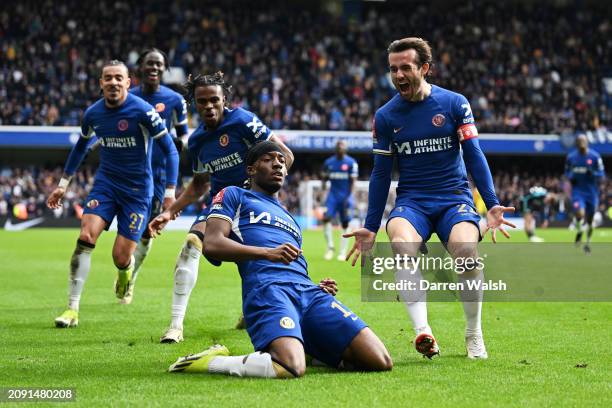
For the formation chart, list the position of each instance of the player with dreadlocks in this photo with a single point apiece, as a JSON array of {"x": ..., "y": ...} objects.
[{"x": 218, "y": 148}]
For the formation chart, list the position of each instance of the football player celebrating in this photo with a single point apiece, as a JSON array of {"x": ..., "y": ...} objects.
[
  {"x": 123, "y": 186},
  {"x": 342, "y": 170},
  {"x": 172, "y": 108},
  {"x": 287, "y": 315},
  {"x": 585, "y": 169},
  {"x": 428, "y": 128},
  {"x": 217, "y": 148}
]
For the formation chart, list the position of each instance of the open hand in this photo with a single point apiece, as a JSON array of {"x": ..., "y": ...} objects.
[
  {"x": 157, "y": 225},
  {"x": 364, "y": 240},
  {"x": 496, "y": 221}
]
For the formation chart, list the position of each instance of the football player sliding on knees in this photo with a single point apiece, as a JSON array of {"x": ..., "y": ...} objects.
[{"x": 287, "y": 315}]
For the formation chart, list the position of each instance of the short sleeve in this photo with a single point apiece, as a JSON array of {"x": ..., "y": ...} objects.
[
  {"x": 381, "y": 137},
  {"x": 253, "y": 130},
  {"x": 225, "y": 204}
]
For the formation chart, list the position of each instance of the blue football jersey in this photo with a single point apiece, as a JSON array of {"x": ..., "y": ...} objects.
[
  {"x": 221, "y": 152},
  {"x": 126, "y": 134},
  {"x": 172, "y": 108},
  {"x": 584, "y": 171},
  {"x": 340, "y": 172},
  {"x": 425, "y": 137},
  {"x": 259, "y": 220}
]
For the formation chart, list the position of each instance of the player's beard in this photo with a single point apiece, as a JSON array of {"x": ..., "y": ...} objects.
[{"x": 114, "y": 101}]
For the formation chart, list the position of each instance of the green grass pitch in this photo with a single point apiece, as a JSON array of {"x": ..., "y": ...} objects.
[{"x": 540, "y": 354}]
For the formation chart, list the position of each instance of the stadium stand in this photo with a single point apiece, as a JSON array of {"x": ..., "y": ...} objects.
[
  {"x": 318, "y": 69},
  {"x": 29, "y": 187}
]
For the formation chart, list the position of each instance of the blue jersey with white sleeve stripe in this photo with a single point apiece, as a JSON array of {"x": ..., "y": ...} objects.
[{"x": 126, "y": 134}]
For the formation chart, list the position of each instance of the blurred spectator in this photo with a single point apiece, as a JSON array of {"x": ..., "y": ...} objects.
[{"x": 29, "y": 188}]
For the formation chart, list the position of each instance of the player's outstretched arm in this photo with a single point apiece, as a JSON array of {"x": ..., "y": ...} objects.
[
  {"x": 172, "y": 168},
  {"x": 380, "y": 181},
  {"x": 194, "y": 190},
  {"x": 76, "y": 156},
  {"x": 218, "y": 245},
  {"x": 364, "y": 240},
  {"x": 286, "y": 151},
  {"x": 478, "y": 167}
]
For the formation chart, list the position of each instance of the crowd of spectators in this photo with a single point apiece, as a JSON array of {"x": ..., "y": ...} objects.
[
  {"x": 23, "y": 192},
  {"x": 526, "y": 67}
]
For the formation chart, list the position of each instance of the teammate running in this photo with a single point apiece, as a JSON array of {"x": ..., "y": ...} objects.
[{"x": 123, "y": 185}]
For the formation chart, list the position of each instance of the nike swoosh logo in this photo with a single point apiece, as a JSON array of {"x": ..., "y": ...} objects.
[
  {"x": 9, "y": 226},
  {"x": 397, "y": 130}
]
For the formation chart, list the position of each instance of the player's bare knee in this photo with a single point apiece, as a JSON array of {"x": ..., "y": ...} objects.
[
  {"x": 463, "y": 250},
  {"x": 297, "y": 368},
  {"x": 401, "y": 246},
  {"x": 382, "y": 361},
  {"x": 288, "y": 354},
  {"x": 88, "y": 237},
  {"x": 293, "y": 362},
  {"x": 121, "y": 259}
]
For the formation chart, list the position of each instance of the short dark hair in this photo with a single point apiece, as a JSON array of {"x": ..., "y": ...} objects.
[
  {"x": 199, "y": 80},
  {"x": 146, "y": 52},
  {"x": 422, "y": 48},
  {"x": 114, "y": 63}
]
